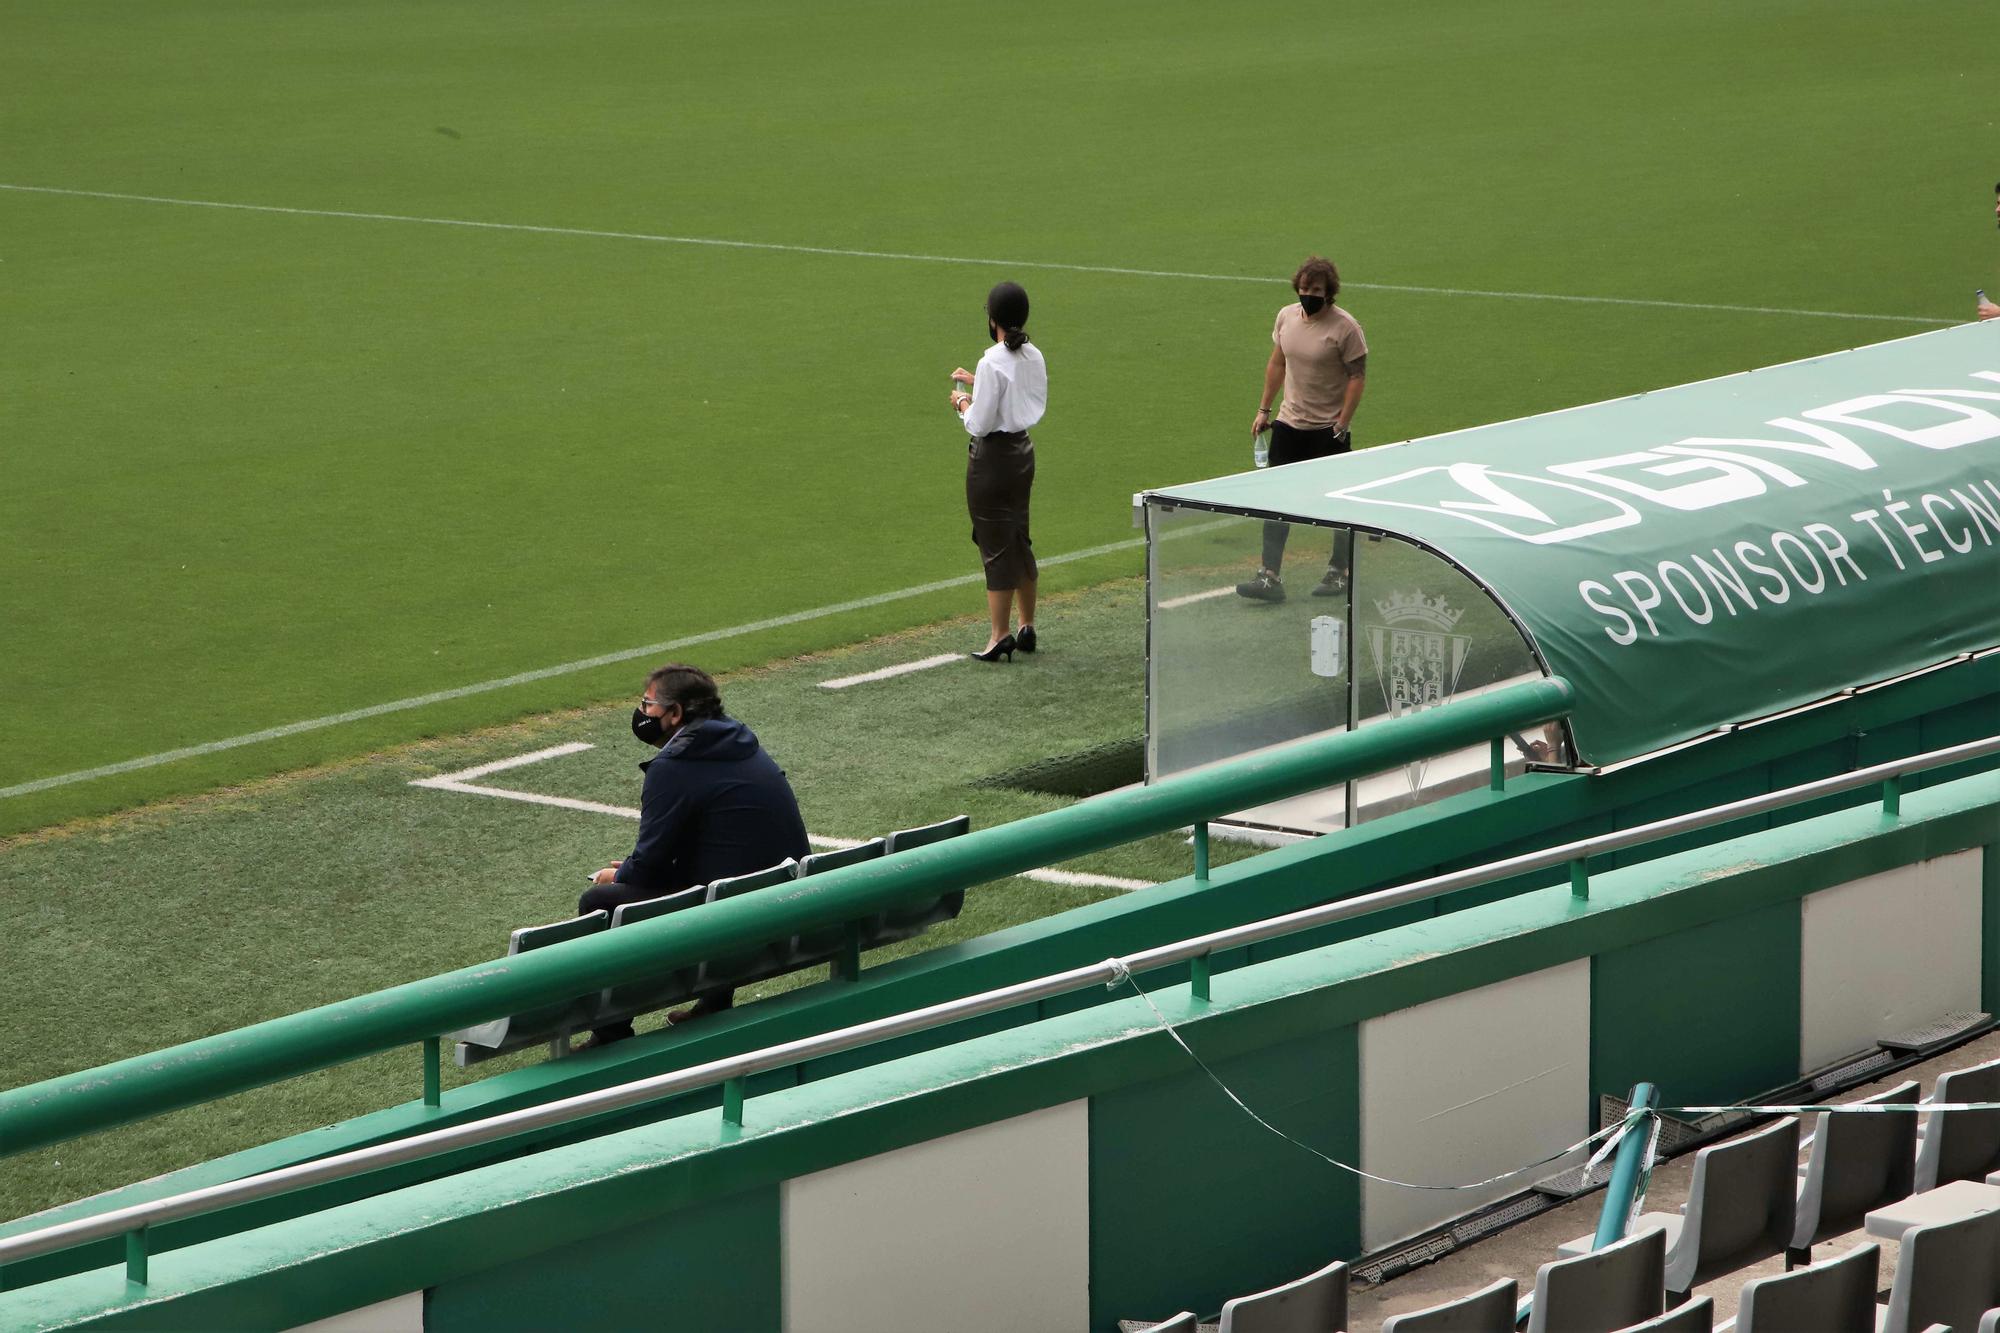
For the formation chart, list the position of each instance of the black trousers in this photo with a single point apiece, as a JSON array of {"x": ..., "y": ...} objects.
[
  {"x": 1292, "y": 445},
  {"x": 608, "y": 898}
]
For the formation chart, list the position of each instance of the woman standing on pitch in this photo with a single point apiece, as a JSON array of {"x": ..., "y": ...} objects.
[{"x": 1009, "y": 393}]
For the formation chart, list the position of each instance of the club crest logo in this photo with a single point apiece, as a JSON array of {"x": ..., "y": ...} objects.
[{"x": 1417, "y": 656}]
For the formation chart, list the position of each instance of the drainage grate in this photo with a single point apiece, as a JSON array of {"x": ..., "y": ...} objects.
[
  {"x": 1568, "y": 1184},
  {"x": 1945, "y": 1028},
  {"x": 1432, "y": 1246},
  {"x": 1839, "y": 1077}
]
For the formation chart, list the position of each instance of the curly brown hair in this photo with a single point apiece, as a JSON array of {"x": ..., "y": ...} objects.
[
  {"x": 1318, "y": 268},
  {"x": 690, "y": 687}
]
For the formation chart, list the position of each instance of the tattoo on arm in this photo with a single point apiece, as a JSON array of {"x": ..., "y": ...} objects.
[{"x": 1358, "y": 367}]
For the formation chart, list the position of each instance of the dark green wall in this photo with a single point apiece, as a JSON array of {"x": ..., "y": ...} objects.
[
  {"x": 713, "y": 1268},
  {"x": 1708, "y": 1015},
  {"x": 1192, "y": 1203}
]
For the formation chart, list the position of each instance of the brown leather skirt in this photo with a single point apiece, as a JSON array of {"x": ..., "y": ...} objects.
[{"x": 999, "y": 474}]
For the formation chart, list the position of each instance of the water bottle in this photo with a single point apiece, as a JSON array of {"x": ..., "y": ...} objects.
[{"x": 1260, "y": 448}]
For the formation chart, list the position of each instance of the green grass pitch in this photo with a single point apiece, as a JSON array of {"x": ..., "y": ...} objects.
[
  {"x": 261, "y": 466},
  {"x": 265, "y": 467}
]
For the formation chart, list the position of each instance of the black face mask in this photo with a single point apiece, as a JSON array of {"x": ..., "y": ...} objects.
[
  {"x": 648, "y": 728},
  {"x": 1312, "y": 305}
]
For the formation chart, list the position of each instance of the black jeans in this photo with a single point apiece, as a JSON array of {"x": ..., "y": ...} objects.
[
  {"x": 1292, "y": 445},
  {"x": 608, "y": 898}
]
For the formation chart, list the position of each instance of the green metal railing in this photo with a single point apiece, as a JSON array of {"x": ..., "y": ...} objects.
[{"x": 200, "y": 1071}]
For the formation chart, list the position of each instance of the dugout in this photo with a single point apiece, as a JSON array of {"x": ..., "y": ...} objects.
[{"x": 1693, "y": 560}]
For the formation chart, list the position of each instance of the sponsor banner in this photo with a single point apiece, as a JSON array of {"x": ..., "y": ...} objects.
[{"x": 1704, "y": 554}]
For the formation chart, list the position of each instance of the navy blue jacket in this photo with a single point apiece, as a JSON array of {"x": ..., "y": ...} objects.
[{"x": 714, "y": 805}]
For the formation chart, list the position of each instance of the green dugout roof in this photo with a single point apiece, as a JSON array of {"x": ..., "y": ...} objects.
[{"x": 1713, "y": 553}]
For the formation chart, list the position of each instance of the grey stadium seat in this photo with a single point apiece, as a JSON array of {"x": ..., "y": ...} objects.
[
  {"x": 1740, "y": 1206},
  {"x": 909, "y": 920},
  {"x": 1316, "y": 1303},
  {"x": 1605, "y": 1290},
  {"x": 1488, "y": 1310},
  {"x": 1946, "y": 1274},
  {"x": 617, "y": 1004},
  {"x": 1860, "y": 1161},
  {"x": 1693, "y": 1317},
  {"x": 1837, "y": 1296},
  {"x": 1961, "y": 1145},
  {"x": 552, "y": 1023},
  {"x": 827, "y": 942},
  {"x": 1184, "y": 1322},
  {"x": 1990, "y": 1321},
  {"x": 765, "y": 960}
]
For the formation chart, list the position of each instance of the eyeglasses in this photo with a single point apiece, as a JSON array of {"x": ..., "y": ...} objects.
[{"x": 646, "y": 701}]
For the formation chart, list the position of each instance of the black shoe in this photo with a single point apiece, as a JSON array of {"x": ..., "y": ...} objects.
[
  {"x": 1025, "y": 640},
  {"x": 1004, "y": 648},
  {"x": 1266, "y": 587},
  {"x": 1334, "y": 584},
  {"x": 602, "y": 1037}
]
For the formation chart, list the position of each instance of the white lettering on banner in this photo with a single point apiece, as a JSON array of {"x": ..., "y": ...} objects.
[
  {"x": 1976, "y": 424},
  {"x": 1984, "y": 516},
  {"x": 1673, "y": 594},
  {"x": 1835, "y": 546},
  {"x": 1500, "y": 508},
  {"x": 1709, "y": 471},
  {"x": 1725, "y": 481}
]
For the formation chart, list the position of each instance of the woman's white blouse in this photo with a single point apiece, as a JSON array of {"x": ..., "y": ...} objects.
[{"x": 1010, "y": 390}]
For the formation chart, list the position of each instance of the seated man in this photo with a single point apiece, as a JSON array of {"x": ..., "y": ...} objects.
[{"x": 714, "y": 805}]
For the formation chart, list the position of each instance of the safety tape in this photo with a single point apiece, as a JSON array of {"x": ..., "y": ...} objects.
[
  {"x": 1613, "y": 1133},
  {"x": 1847, "y": 1108}
]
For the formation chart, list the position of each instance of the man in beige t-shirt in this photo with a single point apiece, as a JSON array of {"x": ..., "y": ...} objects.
[{"x": 1319, "y": 360}]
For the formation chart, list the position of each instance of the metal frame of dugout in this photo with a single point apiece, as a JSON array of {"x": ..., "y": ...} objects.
[{"x": 1694, "y": 560}]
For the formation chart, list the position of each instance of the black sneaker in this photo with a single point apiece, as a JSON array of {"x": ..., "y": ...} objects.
[
  {"x": 1334, "y": 584},
  {"x": 1266, "y": 587}
]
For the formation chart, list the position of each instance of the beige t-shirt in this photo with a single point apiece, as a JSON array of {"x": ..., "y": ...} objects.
[{"x": 1318, "y": 352}]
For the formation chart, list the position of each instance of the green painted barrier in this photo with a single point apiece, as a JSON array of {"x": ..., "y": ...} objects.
[{"x": 199, "y": 1071}]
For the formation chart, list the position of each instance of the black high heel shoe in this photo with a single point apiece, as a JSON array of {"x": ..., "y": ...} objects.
[
  {"x": 1004, "y": 648},
  {"x": 1025, "y": 640}
]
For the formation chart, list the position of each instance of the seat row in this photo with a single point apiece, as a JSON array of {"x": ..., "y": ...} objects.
[
  {"x": 1742, "y": 1208},
  {"x": 840, "y": 944},
  {"x": 1948, "y": 1278},
  {"x": 1749, "y": 1200}
]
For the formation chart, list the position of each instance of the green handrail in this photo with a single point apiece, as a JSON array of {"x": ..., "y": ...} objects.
[{"x": 203, "y": 1070}]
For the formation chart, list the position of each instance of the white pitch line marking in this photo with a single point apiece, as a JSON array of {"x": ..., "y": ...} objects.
[
  {"x": 542, "y": 673},
  {"x": 457, "y": 782},
  {"x": 1045, "y": 265},
  {"x": 904, "y": 669},
  {"x": 1194, "y": 597},
  {"x": 518, "y": 761}
]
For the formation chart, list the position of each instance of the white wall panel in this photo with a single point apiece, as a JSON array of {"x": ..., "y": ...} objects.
[
  {"x": 399, "y": 1314},
  {"x": 1887, "y": 953},
  {"x": 984, "y": 1229},
  {"x": 1465, "y": 1087}
]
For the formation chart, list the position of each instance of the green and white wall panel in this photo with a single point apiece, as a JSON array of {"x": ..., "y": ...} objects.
[
  {"x": 1464, "y": 1087},
  {"x": 1080, "y": 1169},
  {"x": 1886, "y": 953},
  {"x": 946, "y": 1233}
]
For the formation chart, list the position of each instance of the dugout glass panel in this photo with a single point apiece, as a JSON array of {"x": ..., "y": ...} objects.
[
  {"x": 1228, "y": 674},
  {"x": 1425, "y": 634}
]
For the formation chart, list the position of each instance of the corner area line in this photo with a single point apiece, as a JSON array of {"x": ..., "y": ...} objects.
[
  {"x": 1194, "y": 597},
  {"x": 501, "y": 765},
  {"x": 902, "y": 669},
  {"x": 543, "y": 673},
  {"x": 458, "y": 782},
  {"x": 1043, "y": 265}
]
